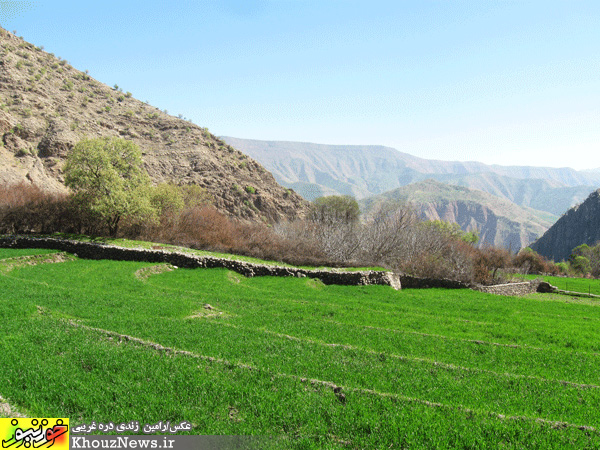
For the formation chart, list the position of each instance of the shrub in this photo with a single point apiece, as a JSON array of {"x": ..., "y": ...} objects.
[
  {"x": 531, "y": 262},
  {"x": 250, "y": 190},
  {"x": 487, "y": 263},
  {"x": 24, "y": 208}
]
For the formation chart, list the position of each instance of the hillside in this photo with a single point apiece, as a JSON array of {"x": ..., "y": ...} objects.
[
  {"x": 499, "y": 222},
  {"x": 46, "y": 106},
  {"x": 579, "y": 225},
  {"x": 362, "y": 171}
]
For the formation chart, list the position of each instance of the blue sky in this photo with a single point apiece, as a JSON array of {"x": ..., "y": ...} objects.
[{"x": 497, "y": 81}]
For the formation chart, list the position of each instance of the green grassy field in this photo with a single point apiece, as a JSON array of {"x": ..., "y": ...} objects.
[
  {"x": 585, "y": 285},
  {"x": 313, "y": 366}
]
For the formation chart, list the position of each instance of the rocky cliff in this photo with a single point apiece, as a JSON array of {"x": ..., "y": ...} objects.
[
  {"x": 579, "y": 225},
  {"x": 47, "y": 106},
  {"x": 498, "y": 221}
]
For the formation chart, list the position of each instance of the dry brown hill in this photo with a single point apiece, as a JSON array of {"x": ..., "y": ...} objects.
[{"x": 46, "y": 106}]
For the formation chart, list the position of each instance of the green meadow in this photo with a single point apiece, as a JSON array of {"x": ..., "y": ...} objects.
[
  {"x": 307, "y": 365},
  {"x": 584, "y": 285}
]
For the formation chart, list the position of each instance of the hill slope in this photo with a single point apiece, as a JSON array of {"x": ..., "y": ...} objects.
[
  {"x": 579, "y": 225},
  {"x": 46, "y": 106},
  {"x": 361, "y": 171},
  {"x": 498, "y": 221}
]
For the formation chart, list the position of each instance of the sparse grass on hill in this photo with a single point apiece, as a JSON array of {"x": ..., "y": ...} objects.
[{"x": 317, "y": 366}]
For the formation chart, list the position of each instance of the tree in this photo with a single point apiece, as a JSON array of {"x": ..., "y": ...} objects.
[
  {"x": 490, "y": 259},
  {"x": 386, "y": 232},
  {"x": 585, "y": 259},
  {"x": 107, "y": 178},
  {"x": 335, "y": 210},
  {"x": 454, "y": 231},
  {"x": 581, "y": 264},
  {"x": 532, "y": 262}
]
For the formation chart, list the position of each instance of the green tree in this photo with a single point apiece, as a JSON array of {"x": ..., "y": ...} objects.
[
  {"x": 453, "y": 230},
  {"x": 585, "y": 259},
  {"x": 335, "y": 209},
  {"x": 107, "y": 177},
  {"x": 581, "y": 264},
  {"x": 170, "y": 199},
  {"x": 167, "y": 198}
]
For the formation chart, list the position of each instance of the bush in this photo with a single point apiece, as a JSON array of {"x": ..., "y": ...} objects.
[
  {"x": 393, "y": 237},
  {"x": 585, "y": 259},
  {"x": 533, "y": 263},
  {"x": 24, "y": 208},
  {"x": 487, "y": 263}
]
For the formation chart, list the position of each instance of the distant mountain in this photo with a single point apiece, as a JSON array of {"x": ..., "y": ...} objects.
[
  {"x": 314, "y": 170},
  {"x": 540, "y": 194},
  {"x": 579, "y": 225},
  {"x": 499, "y": 221},
  {"x": 47, "y": 106}
]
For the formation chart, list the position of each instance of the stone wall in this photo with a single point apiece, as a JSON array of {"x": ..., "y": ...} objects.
[
  {"x": 91, "y": 250},
  {"x": 516, "y": 289},
  {"x": 410, "y": 282}
]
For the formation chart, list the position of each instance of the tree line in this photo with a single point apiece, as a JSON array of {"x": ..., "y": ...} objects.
[{"x": 112, "y": 195}]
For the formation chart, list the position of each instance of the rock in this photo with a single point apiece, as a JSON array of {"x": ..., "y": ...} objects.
[
  {"x": 545, "y": 288},
  {"x": 57, "y": 141},
  {"x": 7, "y": 122}
]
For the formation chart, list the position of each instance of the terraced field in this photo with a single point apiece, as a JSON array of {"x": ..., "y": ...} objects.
[
  {"x": 585, "y": 285},
  {"x": 311, "y": 366}
]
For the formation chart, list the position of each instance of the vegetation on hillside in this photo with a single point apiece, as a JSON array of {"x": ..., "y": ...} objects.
[{"x": 577, "y": 226}]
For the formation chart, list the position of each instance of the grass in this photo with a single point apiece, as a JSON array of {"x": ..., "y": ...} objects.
[
  {"x": 12, "y": 253},
  {"x": 585, "y": 285},
  {"x": 417, "y": 368}
]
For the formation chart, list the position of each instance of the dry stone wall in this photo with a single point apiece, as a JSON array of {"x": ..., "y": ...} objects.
[
  {"x": 516, "y": 289},
  {"x": 91, "y": 250},
  {"x": 410, "y": 282}
]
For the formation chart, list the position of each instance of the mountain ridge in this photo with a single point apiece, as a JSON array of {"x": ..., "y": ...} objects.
[
  {"x": 579, "y": 225},
  {"x": 361, "y": 171}
]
